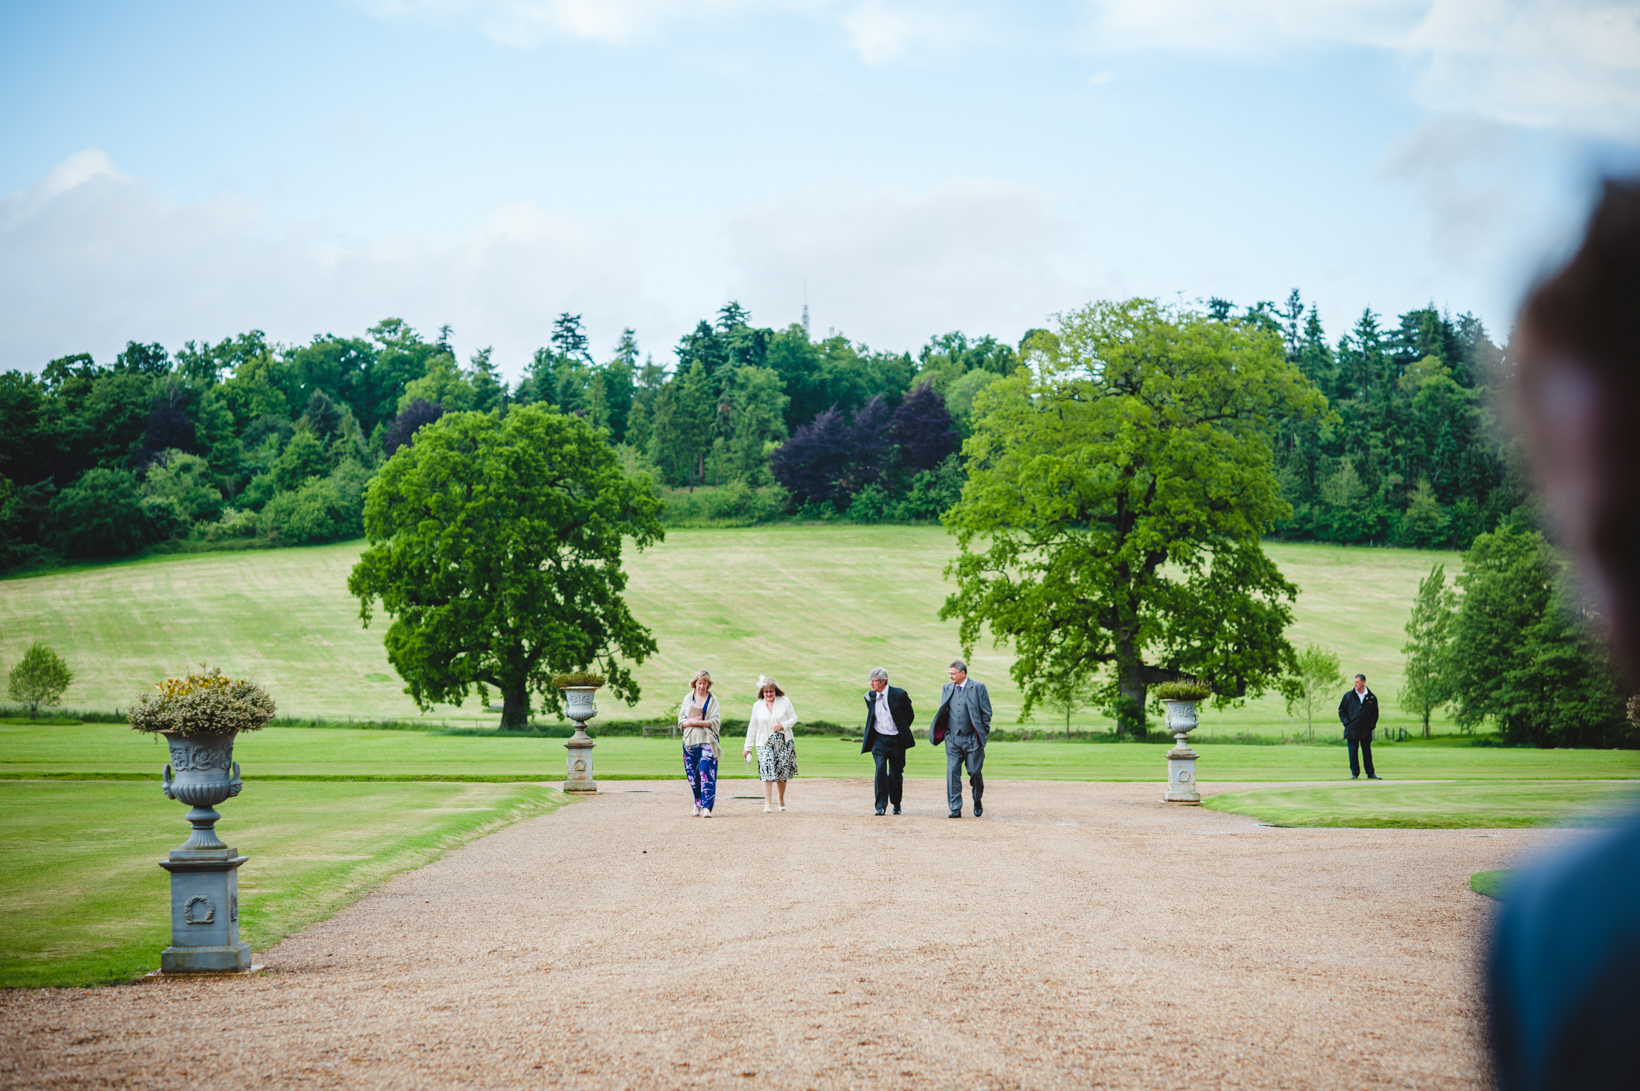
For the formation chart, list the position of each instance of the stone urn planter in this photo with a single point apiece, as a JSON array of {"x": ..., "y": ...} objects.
[
  {"x": 200, "y": 716},
  {"x": 580, "y": 705},
  {"x": 1180, "y": 700}
]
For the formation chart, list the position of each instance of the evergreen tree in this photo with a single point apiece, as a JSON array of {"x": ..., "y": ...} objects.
[
  {"x": 697, "y": 412},
  {"x": 569, "y": 340},
  {"x": 757, "y": 421},
  {"x": 488, "y": 393},
  {"x": 619, "y": 388}
]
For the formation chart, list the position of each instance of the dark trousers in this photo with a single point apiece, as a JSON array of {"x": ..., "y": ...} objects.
[
  {"x": 1366, "y": 756},
  {"x": 890, "y": 783},
  {"x": 956, "y": 756}
]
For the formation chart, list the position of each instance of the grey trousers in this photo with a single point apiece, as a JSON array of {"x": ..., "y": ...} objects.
[{"x": 955, "y": 757}]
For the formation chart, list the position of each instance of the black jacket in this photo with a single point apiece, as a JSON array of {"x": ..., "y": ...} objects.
[
  {"x": 1358, "y": 716},
  {"x": 899, "y": 708}
]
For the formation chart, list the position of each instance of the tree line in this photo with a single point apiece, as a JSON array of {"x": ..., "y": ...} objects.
[{"x": 247, "y": 442}]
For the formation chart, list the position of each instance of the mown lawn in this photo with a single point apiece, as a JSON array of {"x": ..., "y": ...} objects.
[
  {"x": 83, "y": 900},
  {"x": 816, "y": 606},
  {"x": 115, "y": 750},
  {"x": 1488, "y": 805}
]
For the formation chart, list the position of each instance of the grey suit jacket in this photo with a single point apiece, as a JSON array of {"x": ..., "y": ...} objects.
[{"x": 979, "y": 711}]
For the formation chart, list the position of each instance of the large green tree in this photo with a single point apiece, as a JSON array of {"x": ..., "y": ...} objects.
[
  {"x": 1525, "y": 653},
  {"x": 1118, "y": 490},
  {"x": 495, "y": 545}
]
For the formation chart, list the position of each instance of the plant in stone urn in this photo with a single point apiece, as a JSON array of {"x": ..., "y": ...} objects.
[
  {"x": 200, "y": 715},
  {"x": 1181, "y": 698},
  {"x": 579, "y": 687}
]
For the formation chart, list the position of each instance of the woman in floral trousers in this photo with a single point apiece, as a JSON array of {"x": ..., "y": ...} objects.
[{"x": 700, "y": 717}]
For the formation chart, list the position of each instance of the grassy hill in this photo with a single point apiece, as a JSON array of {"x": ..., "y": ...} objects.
[{"x": 816, "y": 606}]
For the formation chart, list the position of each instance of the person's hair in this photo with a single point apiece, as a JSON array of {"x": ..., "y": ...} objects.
[
  {"x": 698, "y": 676},
  {"x": 1583, "y": 317},
  {"x": 1360, "y": 678},
  {"x": 764, "y": 682},
  {"x": 879, "y": 672},
  {"x": 1587, "y": 308},
  {"x": 959, "y": 665}
]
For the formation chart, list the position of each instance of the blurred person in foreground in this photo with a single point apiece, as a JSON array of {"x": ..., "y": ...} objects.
[{"x": 1566, "y": 955}]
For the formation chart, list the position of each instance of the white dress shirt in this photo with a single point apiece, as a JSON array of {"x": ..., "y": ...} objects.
[{"x": 883, "y": 722}]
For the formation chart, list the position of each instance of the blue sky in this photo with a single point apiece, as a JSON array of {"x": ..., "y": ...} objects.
[{"x": 192, "y": 170}]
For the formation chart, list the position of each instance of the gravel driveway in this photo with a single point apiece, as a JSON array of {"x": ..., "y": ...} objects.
[{"x": 1079, "y": 935}]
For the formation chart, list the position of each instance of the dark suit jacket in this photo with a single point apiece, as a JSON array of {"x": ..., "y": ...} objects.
[
  {"x": 1565, "y": 953},
  {"x": 979, "y": 711},
  {"x": 899, "y": 708},
  {"x": 1358, "y": 717}
]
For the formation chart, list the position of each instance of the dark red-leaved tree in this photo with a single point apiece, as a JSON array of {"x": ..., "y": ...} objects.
[
  {"x": 924, "y": 431},
  {"x": 814, "y": 464},
  {"x": 403, "y": 427}
]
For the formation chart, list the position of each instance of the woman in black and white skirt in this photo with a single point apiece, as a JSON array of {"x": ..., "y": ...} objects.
[{"x": 769, "y": 732}]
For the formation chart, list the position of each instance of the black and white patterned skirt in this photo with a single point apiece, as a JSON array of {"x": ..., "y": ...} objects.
[{"x": 777, "y": 759}]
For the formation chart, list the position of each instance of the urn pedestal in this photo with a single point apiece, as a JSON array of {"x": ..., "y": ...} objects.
[
  {"x": 580, "y": 707},
  {"x": 204, "y": 871},
  {"x": 1181, "y": 760}
]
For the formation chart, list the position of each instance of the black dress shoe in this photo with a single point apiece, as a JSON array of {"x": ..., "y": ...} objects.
[
  {"x": 879, "y": 814},
  {"x": 1372, "y": 776},
  {"x": 978, "y": 809},
  {"x": 896, "y": 810},
  {"x": 954, "y": 814}
]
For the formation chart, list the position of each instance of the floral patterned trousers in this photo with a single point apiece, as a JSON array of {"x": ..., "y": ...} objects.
[{"x": 700, "y": 768}]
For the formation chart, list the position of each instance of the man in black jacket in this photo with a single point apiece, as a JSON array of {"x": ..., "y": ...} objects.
[
  {"x": 888, "y": 737},
  {"x": 1359, "y": 713}
]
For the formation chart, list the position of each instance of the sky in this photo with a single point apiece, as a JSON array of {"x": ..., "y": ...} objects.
[{"x": 191, "y": 171}]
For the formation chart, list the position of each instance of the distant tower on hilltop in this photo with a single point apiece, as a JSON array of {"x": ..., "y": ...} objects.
[{"x": 805, "y": 319}]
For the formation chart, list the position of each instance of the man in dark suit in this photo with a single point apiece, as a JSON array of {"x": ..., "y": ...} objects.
[
  {"x": 963, "y": 723},
  {"x": 1359, "y": 713},
  {"x": 887, "y": 737}
]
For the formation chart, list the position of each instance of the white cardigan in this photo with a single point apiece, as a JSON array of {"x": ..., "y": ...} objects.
[{"x": 763, "y": 719}]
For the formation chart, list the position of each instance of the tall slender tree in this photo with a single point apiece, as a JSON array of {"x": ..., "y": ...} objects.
[{"x": 1427, "y": 678}]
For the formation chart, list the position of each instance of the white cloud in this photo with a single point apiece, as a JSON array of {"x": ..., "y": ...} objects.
[
  {"x": 525, "y": 23},
  {"x": 878, "y": 31},
  {"x": 1571, "y": 63},
  {"x": 979, "y": 255},
  {"x": 91, "y": 258},
  {"x": 1460, "y": 169}
]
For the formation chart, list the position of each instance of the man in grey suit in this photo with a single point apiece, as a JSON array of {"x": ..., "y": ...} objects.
[{"x": 963, "y": 723}]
